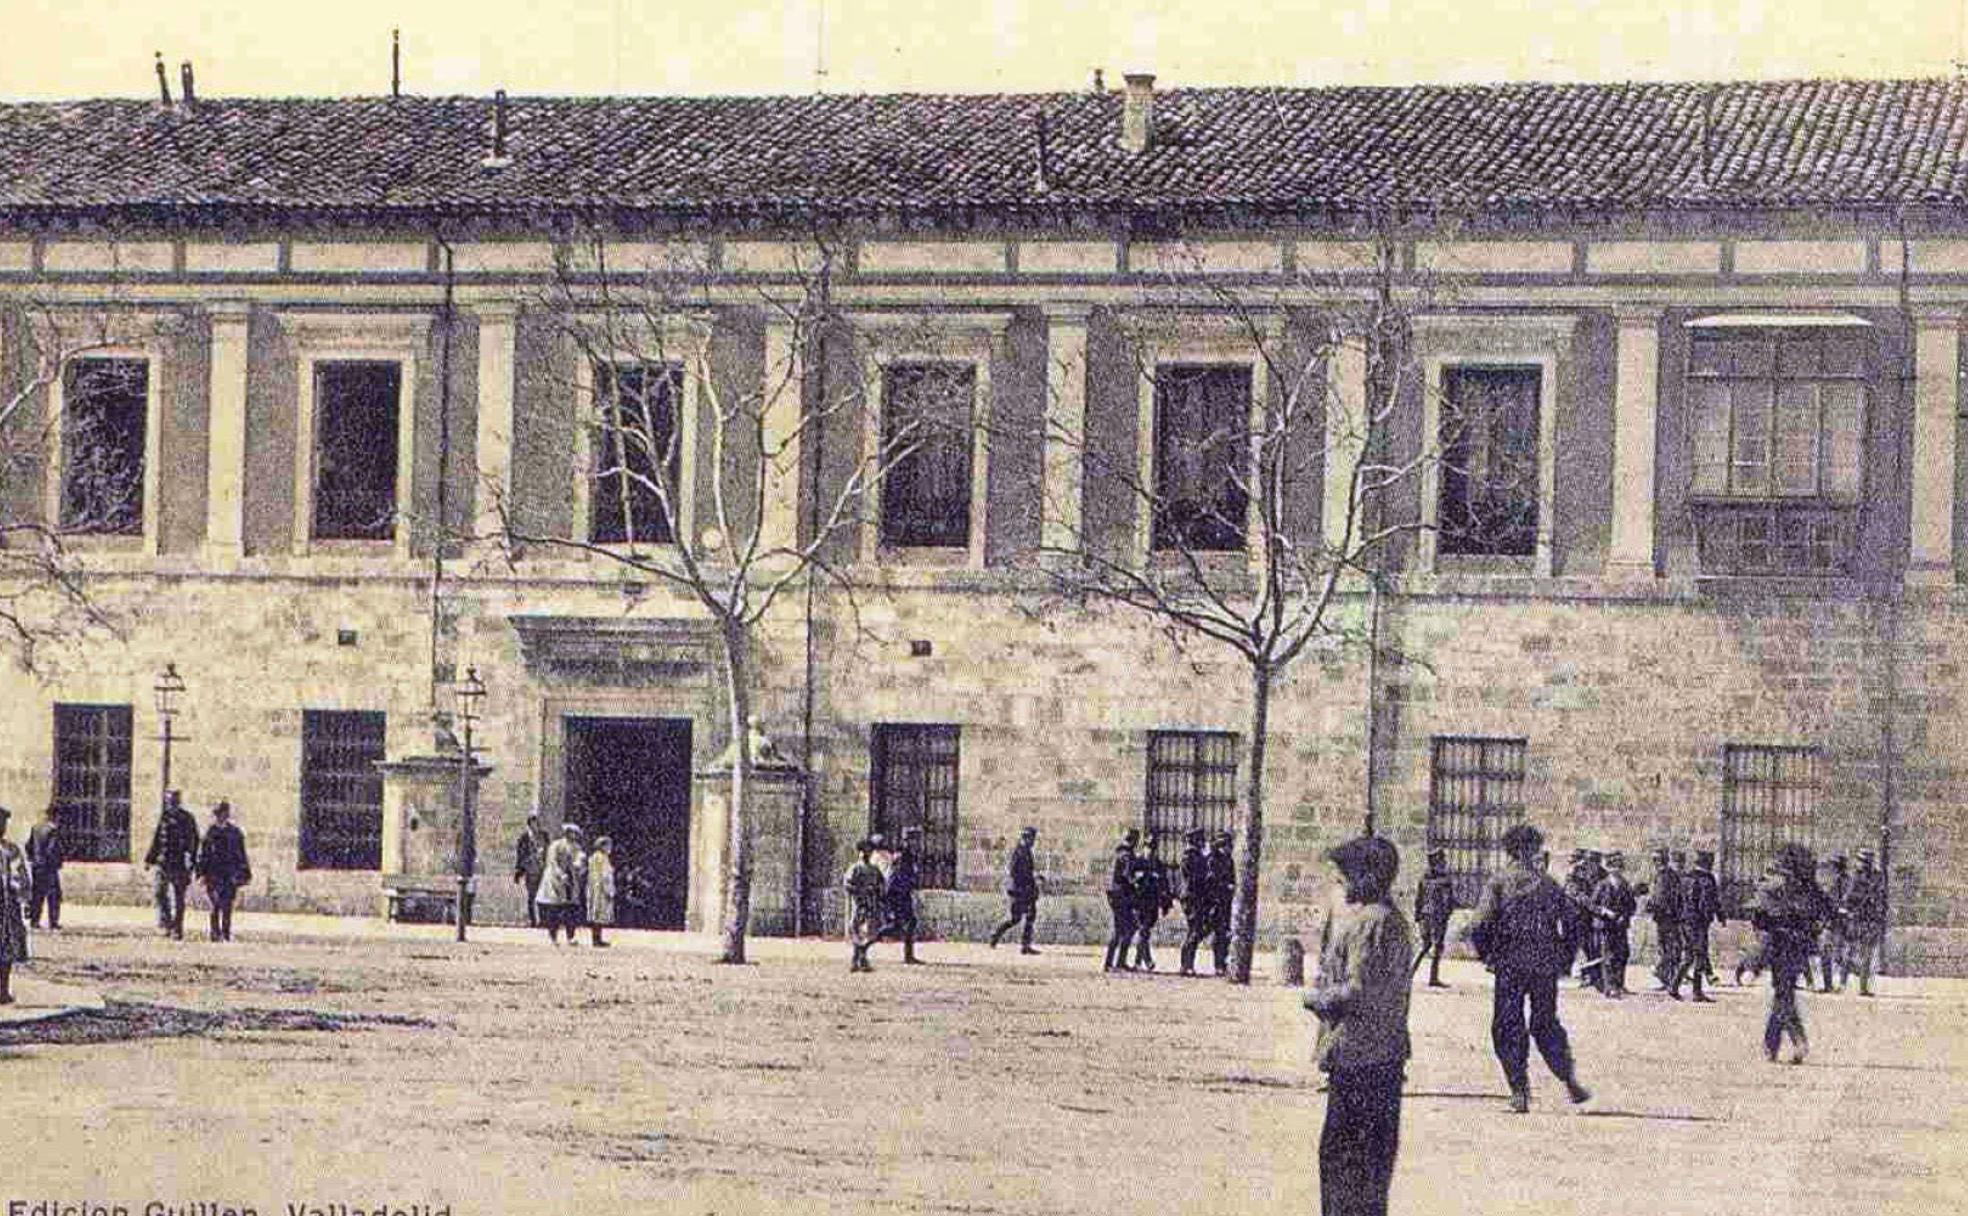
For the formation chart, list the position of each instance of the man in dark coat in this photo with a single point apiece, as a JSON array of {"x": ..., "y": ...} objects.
[
  {"x": 1790, "y": 910},
  {"x": 1832, "y": 953},
  {"x": 1152, "y": 898},
  {"x": 1701, "y": 906},
  {"x": 1435, "y": 900},
  {"x": 1865, "y": 919},
  {"x": 1223, "y": 896},
  {"x": 174, "y": 855},
  {"x": 1664, "y": 907},
  {"x": 1522, "y": 931},
  {"x": 44, "y": 857},
  {"x": 1580, "y": 882},
  {"x": 1613, "y": 905},
  {"x": 899, "y": 896},
  {"x": 530, "y": 863},
  {"x": 1195, "y": 897},
  {"x": 1120, "y": 903},
  {"x": 1022, "y": 886},
  {"x": 222, "y": 865}
]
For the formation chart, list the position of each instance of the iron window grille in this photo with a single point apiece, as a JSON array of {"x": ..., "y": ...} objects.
[
  {"x": 1777, "y": 439},
  {"x": 1770, "y": 798},
  {"x": 914, "y": 784},
  {"x": 341, "y": 790},
  {"x": 1488, "y": 502},
  {"x": 1475, "y": 794},
  {"x": 1202, "y": 457},
  {"x": 926, "y": 438},
  {"x": 356, "y": 403},
  {"x": 105, "y": 404},
  {"x": 638, "y": 453},
  {"x": 1192, "y": 783},
  {"x": 92, "y": 781}
]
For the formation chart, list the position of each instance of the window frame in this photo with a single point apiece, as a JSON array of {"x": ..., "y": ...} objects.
[
  {"x": 1200, "y": 809},
  {"x": 305, "y": 833},
  {"x": 679, "y": 339},
  {"x": 1485, "y": 847},
  {"x": 1731, "y": 856},
  {"x": 101, "y": 806},
  {"x": 118, "y": 335},
  {"x": 596, "y": 456},
  {"x": 884, "y": 504},
  {"x": 938, "y": 862},
  {"x": 399, "y": 338},
  {"x": 887, "y": 338},
  {"x": 1452, "y": 372}
]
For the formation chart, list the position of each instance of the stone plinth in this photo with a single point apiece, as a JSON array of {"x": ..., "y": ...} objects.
[
  {"x": 423, "y": 814},
  {"x": 772, "y": 800}
]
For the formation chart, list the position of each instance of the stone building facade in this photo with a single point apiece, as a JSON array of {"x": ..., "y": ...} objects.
[{"x": 1730, "y": 317}]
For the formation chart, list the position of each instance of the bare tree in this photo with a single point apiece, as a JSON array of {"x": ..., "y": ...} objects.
[
  {"x": 720, "y": 527},
  {"x": 1322, "y": 401}
]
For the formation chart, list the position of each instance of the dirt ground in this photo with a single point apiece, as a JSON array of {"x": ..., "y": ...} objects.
[{"x": 506, "y": 1076}]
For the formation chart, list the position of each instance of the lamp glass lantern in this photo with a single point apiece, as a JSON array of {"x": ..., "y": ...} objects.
[{"x": 169, "y": 687}]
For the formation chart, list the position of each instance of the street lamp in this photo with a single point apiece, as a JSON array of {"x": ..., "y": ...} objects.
[
  {"x": 469, "y": 692},
  {"x": 169, "y": 687}
]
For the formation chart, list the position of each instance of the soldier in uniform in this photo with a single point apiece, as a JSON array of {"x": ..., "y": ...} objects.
[
  {"x": 1579, "y": 883},
  {"x": 1434, "y": 900},
  {"x": 530, "y": 863},
  {"x": 1701, "y": 906},
  {"x": 174, "y": 853},
  {"x": 1865, "y": 919},
  {"x": 1789, "y": 912},
  {"x": 1613, "y": 904},
  {"x": 1664, "y": 907},
  {"x": 863, "y": 883},
  {"x": 1223, "y": 896},
  {"x": 1831, "y": 943},
  {"x": 899, "y": 896},
  {"x": 1022, "y": 886},
  {"x": 45, "y": 855},
  {"x": 1195, "y": 897},
  {"x": 1152, "y": 898},
  {"x": 1120, "y": 902}
]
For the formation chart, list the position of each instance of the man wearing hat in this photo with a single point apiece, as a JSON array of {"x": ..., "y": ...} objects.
[
  {"x": 1223, "y": 897},
  {"x": 1195, "y": 897},
  {"x": 1832, "y": 949},
  {"x": 1701, "y": 906},
  {"x": 45, "y": 854},
  {"x": 1152, "y": 898},
  {"x": 174, "y": 853},
  {"x": 1664, "y": 908},
  {"x": 1580, "y": 881},
  {"x": 1120, "y": 902},
  {"x": 1613, "y": 904},
  {"x": 563, "y": 882},
  {"x": 15, "y": 882},
  {"x": 899, "y": 894},
  {"x": 223, "y": 867},
  {"x": 863, "y": 884},
  {"x": 530, "y": 863},
  {"x": 1022, "y": 888},
  {"x": 1865, "y": 919},
  {"x": 1434, "y": 901}
]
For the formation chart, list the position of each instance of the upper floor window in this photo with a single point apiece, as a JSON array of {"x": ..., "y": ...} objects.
[
  {"x": 104, "y": 426},
  {"x": 1202, "y": 456},
  {"x": 1489, "y": 452},
  {"x": 1776, "y": 418},
  {"x": 356, "y": 404},
  {"x": 928, "y": 433},
  {"x": 637, "y": 453}
]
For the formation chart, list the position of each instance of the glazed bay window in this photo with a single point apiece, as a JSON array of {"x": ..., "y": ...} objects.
[
  {"x": 341, "y": 790},
  {"x": 1776, "y": 420},
  {"x": 105, "y": 410},
  {"x": 636, "y": 453},
  {"x": 913, "y": 783},
  {"x": 928, "y": 433},
  {"x": 1202, "y": 457},
  {"x": 92, "y": 781},
  {"x": 1489, "y": 461}
]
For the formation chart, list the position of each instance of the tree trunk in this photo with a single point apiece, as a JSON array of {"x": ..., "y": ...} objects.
[
  {"x": 1250, "y": 851},
  {"x": 738, "y": 888}
]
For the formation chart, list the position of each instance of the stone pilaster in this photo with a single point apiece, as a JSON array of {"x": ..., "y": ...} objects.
[
  {"x": 785, "y": 380},
  {"x": 1636, "y": 412},
  {"x": 225, "y": 493},
  {"x": 1937, "y": 377},
  {"x": 1345, "y": 439},
  {"x": 1065, "y": 427},
  {"x": 497, "y": 326}
]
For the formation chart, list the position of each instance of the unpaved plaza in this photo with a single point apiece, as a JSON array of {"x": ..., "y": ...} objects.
[{"x": 505, "y": 1076}]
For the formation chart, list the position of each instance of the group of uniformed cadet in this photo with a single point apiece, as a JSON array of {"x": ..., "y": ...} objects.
[{"x": 1141, "y": 889}]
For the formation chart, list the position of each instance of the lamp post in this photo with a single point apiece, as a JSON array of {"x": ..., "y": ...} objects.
[
  {"x": 169, "y": 687},
  {"x": 469, "y": 691}
]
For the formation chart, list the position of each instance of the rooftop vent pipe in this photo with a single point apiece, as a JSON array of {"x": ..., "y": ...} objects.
[
  {"x": 184, "y": 76},
  {"x": 1138, "y": 112},
  {"x": 499, "y": 159},
  {"x": 163, "y": 81}
]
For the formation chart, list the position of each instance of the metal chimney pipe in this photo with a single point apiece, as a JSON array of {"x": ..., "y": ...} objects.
[
  {"x": 184, "y": 77},
  {"x": 396, "y": 63},
  {"x": 163, "y": 81}
]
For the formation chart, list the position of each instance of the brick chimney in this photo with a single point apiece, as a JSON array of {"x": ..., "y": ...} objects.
[{"x": 1138, "y": 112}]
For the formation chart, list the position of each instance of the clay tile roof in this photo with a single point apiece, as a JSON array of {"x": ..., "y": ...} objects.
[{"x": 1758, "y": 144}]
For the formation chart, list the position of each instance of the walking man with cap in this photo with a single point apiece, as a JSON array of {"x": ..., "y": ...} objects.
[
  {"x": 1701, "y": 906},
  {"x": 1152, "y": 898},
  {"x": 1361, "y": 998},
  {"x": 1434, "y": 902},
  {"x": 1664, "y": 908},
  {"x": 1223, "y": 896},
  {"x": 1194, "y": 875},
  {"x": 1022, "y": 888},
  {"x": 899, "y": 895},
  {"x": 1613, "y": 904},
  {"x": 1833, "y": 952},
  {"x": 174, "y": 854},
  {"x": 223, "y": 866},
  {"x": 1865, "y": 919},
  {"x": 1522, "y": 930},
  {"x": 1120, "y": 903},
  {"x": 45, "y": 855},
  {"x": 530, "y": 862},
  {"x": 864, "y": 886}
]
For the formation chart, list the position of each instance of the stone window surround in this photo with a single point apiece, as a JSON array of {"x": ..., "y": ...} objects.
[
  {"x": 683, "y": 339},
  {"x": 1205, "y": 338},
  {"x": 917, "y": 337},
  {"x": 123, "y": 336},
  {"x": 1445, "y": 342},
  {"x": 329, "y": 337}
]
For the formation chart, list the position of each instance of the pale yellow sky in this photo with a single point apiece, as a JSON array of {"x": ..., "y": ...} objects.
[{"x": 88, "y": 48}]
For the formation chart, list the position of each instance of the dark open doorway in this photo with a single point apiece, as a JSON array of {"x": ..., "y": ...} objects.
[{"x": 629, "y": 779}]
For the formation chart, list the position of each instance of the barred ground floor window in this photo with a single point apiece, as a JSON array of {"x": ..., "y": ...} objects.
[
  {"x": 1192, "y": 783},
  {"x": 1770, "y": 798},
  {"x": 1475, "y": 794},
  {"x": 92, "y": 781},
  {"x": 341, "y": 790},
  {"x": 913, "y": 783}
]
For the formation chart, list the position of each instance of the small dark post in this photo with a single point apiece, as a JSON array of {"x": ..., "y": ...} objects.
[
  {"x": 396, "y": 63},
  {"x": 163, "y": 81},
  {"x": 184, "y": 77},
  {"x": 1291, "y": 963},
  {"x": 499, "y": 125}
]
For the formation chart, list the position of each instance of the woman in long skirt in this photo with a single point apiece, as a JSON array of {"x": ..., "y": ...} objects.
[{"x": 14, "y": 883}]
